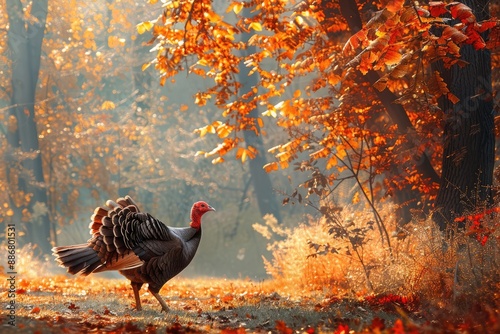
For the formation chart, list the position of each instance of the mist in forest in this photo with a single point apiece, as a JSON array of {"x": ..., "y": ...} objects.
[{"x": 100, "y": 126}]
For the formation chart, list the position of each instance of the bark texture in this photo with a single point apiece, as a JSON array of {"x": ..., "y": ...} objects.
[{"x": 469, "y": 138}]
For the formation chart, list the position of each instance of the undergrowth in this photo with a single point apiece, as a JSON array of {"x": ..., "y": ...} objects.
[{"x": 449, "y": 276}]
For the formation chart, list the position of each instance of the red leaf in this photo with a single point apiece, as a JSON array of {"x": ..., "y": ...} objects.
[
  {"x": 377, "y": 323},
  {"x": 454, "y": 34},
  {"x": 233, "y": 331},
  {"x": 227, "y": 298},
  {"x": 175, "y": 328},
  {"x": 342, "y": 329},
  {"x": 462, "y": 12},
  {"x": 437, "y": 8},
  {"x": 354, "y": 41},
  {"x": 72, "y": 306},
  {"x": 398, "y": 327},
  {"x": 58, "y": 319},
  {"x": 282, "y": 328},
  {"x": 475, "y": 38},
  {"x": 393, "y": 5},
  {"x": 482, "y": 239},
  {"x": 485, "y": 25},
  {"x": 35, "y": 310}
]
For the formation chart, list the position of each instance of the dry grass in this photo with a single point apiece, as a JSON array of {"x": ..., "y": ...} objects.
[{"x": 450, "y": 277}]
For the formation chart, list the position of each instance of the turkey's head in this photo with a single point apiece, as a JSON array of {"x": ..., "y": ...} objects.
[{"x": 198, "y": 210}]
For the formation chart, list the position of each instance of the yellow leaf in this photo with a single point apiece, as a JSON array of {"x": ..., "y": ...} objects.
[
  {"x": 199, "y": 153},
  {"x": 107, "y": 105},
  {"x": 284, "y": 164},
  {"x": 114, "y": 41},
  {"x": 270, "y": 112},
  {"x": 237, "y": 7},
  {"x": 10, "y": 213},
  {"x": 145, "y": 66},
  {"x": 333, "y": 79},
  {"x": 341, "y": 152},
  {"x": 213, "y": 17},
  {"x": 251, "y": 151},
  {"x": 239, "y": 153},
  {"x": 202, "y": 131},
  {"x": 223, "y": 130},
  {"x": 184, "y": 107},
  {"x": 270, "y": 167},
  {"x": 355, "y": 198},
  {"x": 255, "y": 26},
  {"x": 203, "y": 62},
  {"x": 260, "y": 122},
  {"x": 163, "y": 79},
  {"x": 297, "y": 93},
  {"x": 321, "y": 153},
  {"x": 218, "y": 160},
  {"x": 144, "y": 26},
  {"x": 332, "y": 162}
]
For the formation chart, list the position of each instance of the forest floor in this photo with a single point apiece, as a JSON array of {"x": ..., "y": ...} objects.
[{"x": 62, "y": 304}]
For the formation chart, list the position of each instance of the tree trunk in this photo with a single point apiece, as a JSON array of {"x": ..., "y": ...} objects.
[
  {"x": 469, "y": 138},
  {"x": 25, "y": 41},
  {"x": 264, "y": 192}
]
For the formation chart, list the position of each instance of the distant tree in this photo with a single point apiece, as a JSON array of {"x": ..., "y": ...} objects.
[
  {"x": 27, "y": 188},
  {"x": 263, "y": 187}
]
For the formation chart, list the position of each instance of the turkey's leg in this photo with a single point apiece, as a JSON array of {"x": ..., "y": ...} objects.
[
  {"x": 136, "y": 287},
  {"x": 164, "y": 306}
]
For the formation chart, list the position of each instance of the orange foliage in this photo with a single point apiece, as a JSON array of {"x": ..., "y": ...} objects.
[{"x": 307, "y": 77}]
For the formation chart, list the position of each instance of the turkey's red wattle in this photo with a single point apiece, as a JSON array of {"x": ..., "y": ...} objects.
[
  {"x": 197, "y": 211},
  {"x": 195, "y": 220}
]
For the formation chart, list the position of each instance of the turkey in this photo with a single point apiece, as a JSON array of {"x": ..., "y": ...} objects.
[{"x": 139, "y": 246}]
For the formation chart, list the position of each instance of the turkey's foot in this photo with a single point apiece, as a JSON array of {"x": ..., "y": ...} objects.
[
  {"x": 164, "y": 306},
  {"x": 136, "y": 287}
]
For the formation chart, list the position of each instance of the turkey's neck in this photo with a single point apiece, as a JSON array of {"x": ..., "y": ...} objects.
[{"x": 195, "y": 220}]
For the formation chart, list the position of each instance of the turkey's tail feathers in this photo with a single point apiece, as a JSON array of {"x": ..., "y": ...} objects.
[
  {"x": 99, "y": 219},
  {"x": 102, "y": 227},
  {"x": 87, "y": 258},
  {"x": 79, "y": 259}
]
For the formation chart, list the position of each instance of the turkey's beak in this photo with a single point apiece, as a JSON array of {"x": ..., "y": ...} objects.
[{"x": 210, "y": 208}]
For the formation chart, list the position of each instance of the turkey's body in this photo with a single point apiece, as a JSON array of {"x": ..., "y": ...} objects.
[{"x": 139, "y": 246}]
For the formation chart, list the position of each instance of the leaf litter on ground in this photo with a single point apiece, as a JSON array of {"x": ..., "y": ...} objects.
[{"x": 64, "y": 304}]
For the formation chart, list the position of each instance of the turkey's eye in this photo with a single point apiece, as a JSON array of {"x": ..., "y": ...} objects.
[{"x": 203, "y": 205}]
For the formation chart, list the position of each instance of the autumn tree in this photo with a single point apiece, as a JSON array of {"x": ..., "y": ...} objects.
[{"x": 373, "y": 105}]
